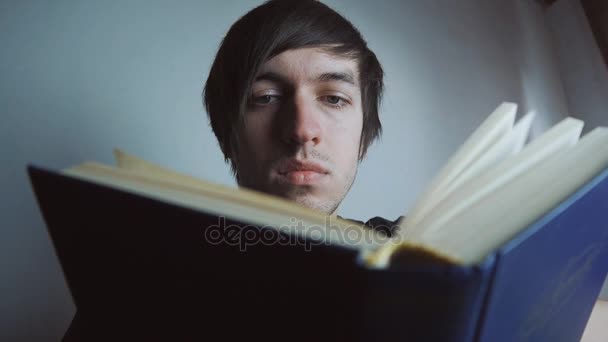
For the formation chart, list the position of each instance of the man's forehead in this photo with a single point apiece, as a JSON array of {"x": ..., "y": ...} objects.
[{"x": 311, "y": 65}]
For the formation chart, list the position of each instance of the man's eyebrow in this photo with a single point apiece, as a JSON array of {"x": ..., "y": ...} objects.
[
  {"x": 271, "y": 76},
  {"x": 346, "y": 77}
]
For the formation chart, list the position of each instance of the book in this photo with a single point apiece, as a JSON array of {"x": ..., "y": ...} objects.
[{"x": 509, "y": 243}]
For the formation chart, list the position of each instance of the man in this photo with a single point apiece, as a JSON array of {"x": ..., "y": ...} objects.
[{"x": 293, "y": 97}]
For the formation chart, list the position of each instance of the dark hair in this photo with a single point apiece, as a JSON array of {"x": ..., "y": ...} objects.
[{"x": 266, "y": 31}]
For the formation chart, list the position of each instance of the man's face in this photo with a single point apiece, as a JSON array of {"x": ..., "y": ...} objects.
[{"x": 302, "y": 129}]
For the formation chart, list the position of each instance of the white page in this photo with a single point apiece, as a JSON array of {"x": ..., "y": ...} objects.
[
  {"x": 498, "y": 124},
  {"x": 496, "y": 219}
]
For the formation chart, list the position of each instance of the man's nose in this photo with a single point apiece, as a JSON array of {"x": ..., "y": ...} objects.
[{"x": 303, "y": 124}]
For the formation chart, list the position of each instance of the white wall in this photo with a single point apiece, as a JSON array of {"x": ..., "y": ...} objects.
[
  {"x": 539, "y": 71},
  {"x": 81, "y": 77},
  {"x": 584, "y": 72}
]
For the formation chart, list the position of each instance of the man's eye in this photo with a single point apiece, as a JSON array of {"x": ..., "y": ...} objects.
[
  {"x": 334, "y": 101},
  {"x": 265, "y": 99}
]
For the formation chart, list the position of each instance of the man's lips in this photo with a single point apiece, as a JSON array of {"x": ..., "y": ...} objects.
[
  {"x": 298, "y": 172},
  {"x": 293, "y": 165}
]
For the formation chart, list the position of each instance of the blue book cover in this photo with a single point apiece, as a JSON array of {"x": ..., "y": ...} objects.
[
  {"x": 548, "y": 278},
  {"x": 139, "y": 268}
]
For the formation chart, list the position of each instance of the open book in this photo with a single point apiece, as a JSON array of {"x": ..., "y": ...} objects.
[
  {"x": 509, "y": 242},
  {"x": 493, "y": 187}
]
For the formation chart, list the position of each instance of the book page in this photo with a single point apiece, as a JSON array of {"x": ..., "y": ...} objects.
[
  {"x": 490, "y": 223},
  {"x": 508, "y": 145},
  {"x": 497, "y": 125},
  {"x": 558, "y": 139}
]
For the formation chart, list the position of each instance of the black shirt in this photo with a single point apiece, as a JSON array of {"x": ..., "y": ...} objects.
[{"x": 381, "y": 224}]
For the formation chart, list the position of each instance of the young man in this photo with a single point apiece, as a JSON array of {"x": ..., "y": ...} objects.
[{"x": 293, "y": 97}]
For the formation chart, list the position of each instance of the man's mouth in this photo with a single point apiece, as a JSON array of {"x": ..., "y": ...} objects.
[{"x": 300, "y": 172}]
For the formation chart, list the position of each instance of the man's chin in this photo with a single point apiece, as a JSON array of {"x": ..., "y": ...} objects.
[
  {"x": 304, "y": 195},
  {"x": 312, "y": 202}
]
